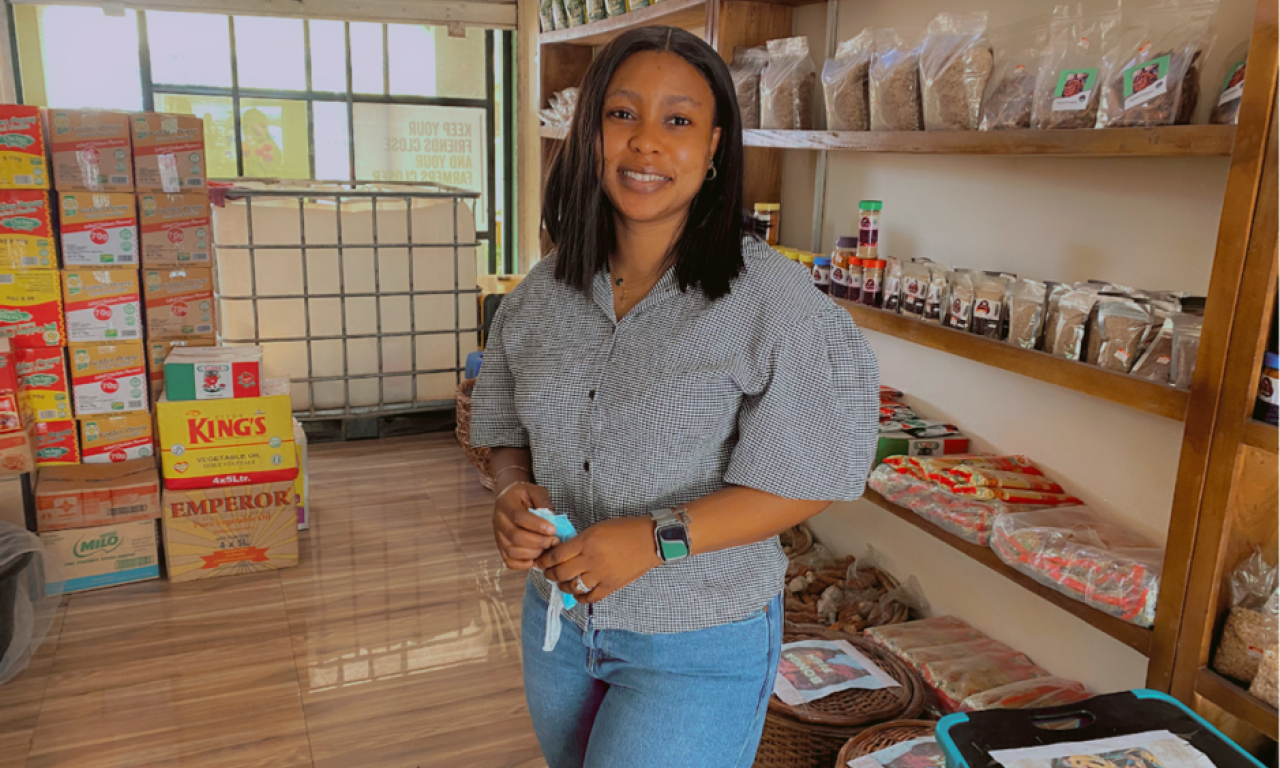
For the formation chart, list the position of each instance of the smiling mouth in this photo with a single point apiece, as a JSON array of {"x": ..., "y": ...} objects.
[{"x": 644, "y": 178}]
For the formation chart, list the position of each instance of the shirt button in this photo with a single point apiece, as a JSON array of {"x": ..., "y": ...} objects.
[
  {"x": 592, "y": 394},
  {"x": 586, "y": 466}
]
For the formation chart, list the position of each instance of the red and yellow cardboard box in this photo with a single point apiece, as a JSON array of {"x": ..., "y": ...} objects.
[
  {"x": 57, "y": 443},
  {"x": 176, "y": 229},
  {"x": 98, "y": 229},
  {"x": 169, "y": 152},
  {"x": 116, "y": 438},
  {"x": 31, "y": 308},
  {"x": 212, "y": 443},
  {"x": 22, "y": 155},
  {"x": 231, "y": 530},
  {"x": 102, "y": 305},
  {"x": 179, "y": 302},
  {"x": 44, "y": 390},
  {"x": 108, "y": 378},
  {"x": 26, "y": 230},
  {"x": 91, "y": 150}
]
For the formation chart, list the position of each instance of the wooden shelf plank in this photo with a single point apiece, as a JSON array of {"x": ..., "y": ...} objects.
[
  {"x": 1237, "y": 701},
  {"x": 1089, "y": 379},
  {"x": 1261, "y": 435},
  {"x": 1138, "y": 638},
  {"x": 686, "y": 14},
  {"x": 1165, "y": 141}
]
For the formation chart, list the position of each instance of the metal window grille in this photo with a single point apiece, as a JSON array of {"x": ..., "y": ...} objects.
[{"x": 395, "y": 272}]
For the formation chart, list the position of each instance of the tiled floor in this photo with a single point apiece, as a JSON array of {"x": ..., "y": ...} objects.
[{"x": 393, "y": 644}]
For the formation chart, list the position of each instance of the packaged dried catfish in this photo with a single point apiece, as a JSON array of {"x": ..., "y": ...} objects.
[
  {"x": 989, "y": 298},
  {"x": 845, "y": 84},
  {"x": 959, "y": 300},
  {"x": 1017, "y": 50},
  {"x": 786, "y": 86},
  {"x": 1226, "y": 110},
  {"x": 1154, "y": 72},
  {"x": 894, "y": 88},
  {"x": 748, "y": 64},
  {"x": 955, "y": 63},
  {"x": 1068, "y": 88}
]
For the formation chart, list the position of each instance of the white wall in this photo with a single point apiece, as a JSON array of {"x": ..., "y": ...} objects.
[{"x": 1145, "y": 222}]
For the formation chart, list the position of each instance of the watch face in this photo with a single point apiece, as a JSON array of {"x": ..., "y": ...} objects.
[{"x": 672, "y": 534}]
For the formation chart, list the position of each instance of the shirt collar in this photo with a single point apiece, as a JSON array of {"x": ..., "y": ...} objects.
[{"x": 602, "y": 292}]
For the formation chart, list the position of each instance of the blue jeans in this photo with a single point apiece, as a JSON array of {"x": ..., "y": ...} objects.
[{"x": 617, "y": 699}]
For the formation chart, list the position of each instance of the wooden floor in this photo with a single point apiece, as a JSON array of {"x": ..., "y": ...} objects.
[{"x": 393, "y": 644}]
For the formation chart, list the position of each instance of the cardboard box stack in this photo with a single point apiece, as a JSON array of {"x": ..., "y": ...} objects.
[
  {"x": 17, "y": 437},
  {"x": 229, "y": 463}
]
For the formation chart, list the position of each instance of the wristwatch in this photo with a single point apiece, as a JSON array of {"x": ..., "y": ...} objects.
[{"x": 671, "y": 533}]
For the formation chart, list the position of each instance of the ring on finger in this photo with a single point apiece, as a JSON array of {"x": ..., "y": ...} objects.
[{"x": 579, "y": 587}]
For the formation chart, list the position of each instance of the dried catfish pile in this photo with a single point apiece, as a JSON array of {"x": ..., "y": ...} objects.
[{"x": 839, "y": 594}]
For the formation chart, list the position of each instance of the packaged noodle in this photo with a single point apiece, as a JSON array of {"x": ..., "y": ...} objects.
[
  {"x": 1226, "y": 107},
  {"x": 958, "y": 679},
  {"x": 1153, "y": 74},
  {"x": 894, "y": 88},
  {"x": 748, "y": 64},
  {"x": 929, "y": 466},
  {"x": 1085, "y": 557},
  {"x": 786, "y": 86},
  {"x": 955, "y": 63},
  {"x": 1018, "y": 496},
  {"x": 969, "y": 518},
  {"x": 1069, "y": 85},
  {"x": 925, "y": 633},
  {"x": 918, "y": 657},
  {"x": 1036, "y": 693},
  {"x": 1011, "y": 91},
  {"x": 845, "y": 84},
  {"x": 979, "y": 477}
]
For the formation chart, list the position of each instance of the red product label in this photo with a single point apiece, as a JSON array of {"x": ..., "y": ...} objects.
[
  {"x": 231, "y": 478},
  {"x": 168, "y": 149}
]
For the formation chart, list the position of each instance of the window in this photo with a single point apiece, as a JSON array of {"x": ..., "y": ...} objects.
[{"x": 299, "y": 99}]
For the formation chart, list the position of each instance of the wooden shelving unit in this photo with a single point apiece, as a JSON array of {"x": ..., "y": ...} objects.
[
  {"x": 1080, "y": 377},
  {"x": 1261, "y": 436},
  {"x": 1237, "y": 702},
  {"x": 685, "y": 14},
  {"x": 1131, "y": 635}
]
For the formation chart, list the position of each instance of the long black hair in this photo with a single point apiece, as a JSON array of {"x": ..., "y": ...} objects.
[{"x": 577, "y": 212}]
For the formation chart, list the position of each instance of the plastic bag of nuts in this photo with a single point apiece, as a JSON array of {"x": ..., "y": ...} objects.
[
  {"x": 786, "y": 86},
  {"x": 748, "y": 63},
  {"x": 955, "y": 63},
  {"x": 844, "y": 84},
  {"x": 1017, "y": 49},
  {"x": 894, "y": 88},
  {"x": 1072, "y": 71}
]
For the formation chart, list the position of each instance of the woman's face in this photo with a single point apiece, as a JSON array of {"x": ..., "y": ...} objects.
[{"x": 658, "y": 137}]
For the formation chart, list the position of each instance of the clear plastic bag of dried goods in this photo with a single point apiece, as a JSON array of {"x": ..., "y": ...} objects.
[
  {"x": 1086, "y": 557},
  {"x": 1115, "y": 338},
  {"x": 895, "y": 84},
  {"x": 1153, "y": 73},
  {"x": 959, "y": 311},
  {"x": 1017, "y": 50},
  {"x": 1028, "y": 694},
  {"x": 1027, "y": 304},
  {"x": 786, "y": 86},
  {"x": 1226, "y": 105},
  {"x": 748, "y": 64},
  {"x": 1066, "y": 337},
  {"x": 957, "y": 679},
  {"x": 918, "y": 657},
  {"x": 26, "y": 605},
  {"x": 546, "y": 16},
  {"x": 990, "y": 298},
  {"x": 1252, "y": 625},
  {"x": 1186, "y": 346},
  {"x": 955, "y": 63},
  {"x": 901, "y": 639},
  {"x": 1069, "y": 85},
  {"x": 1157, "y": 359},
  {"x": 892, "y": 299},
  {"x": 845, "y": 84}
]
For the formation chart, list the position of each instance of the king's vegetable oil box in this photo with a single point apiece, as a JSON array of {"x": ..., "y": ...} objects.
[
  {"x": 179, "y": 302},
  {"x": 108, "y": 378},
  {"x": 57, "y": 443},
  {"x": 22, "y": 161},
  {"x": 116, "y": 438},
  {"x": 98, "y": 229},
  {"x": 44, "y": 390},
  {"x": 229, "y": 531},
  {"x": 176, "y": 229},
  {"x": 31, "y": 308},
  {"x": 158, "y": 350},
  {"x": 102, "y": 305},
  {"x": 91, "y": 150},
  {"x": 91, "y": 558},
  {"x": 26, "y": 230},
  {"x": 169, "y": 152},
  {"x": 212, "y": 443}
]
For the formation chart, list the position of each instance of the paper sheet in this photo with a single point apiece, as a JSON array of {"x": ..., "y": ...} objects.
[
  {"x": 812, "y": 669},
  {"x": 1151, "y": 749}
]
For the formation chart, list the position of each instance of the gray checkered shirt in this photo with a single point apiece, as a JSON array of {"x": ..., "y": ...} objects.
[{"x": 770, "y": 387}]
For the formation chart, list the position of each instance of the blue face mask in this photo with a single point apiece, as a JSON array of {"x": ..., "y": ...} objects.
[{"x": 559, "y": 600}]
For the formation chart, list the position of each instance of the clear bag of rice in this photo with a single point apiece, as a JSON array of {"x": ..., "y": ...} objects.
[
  {"x": 1017, "y": 49},
  {"x": 1265, "y": 682},
  {"x": 747, "y": 65},
  {"x": 844, "y": 84},
  {"x": 955, "y": 64},
  {"x": 786, "y": 86},
  {"x": 894, "y": 87},
  {"x": 1251, "y": 626},
  {"x": 1072, "y": 71}
]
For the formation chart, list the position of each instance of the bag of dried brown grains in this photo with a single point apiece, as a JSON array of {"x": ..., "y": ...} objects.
[
  {"x": 894, "y": 89},
  {"x": 955, "y": 63},
  {"x": 1122, "y": 324},
  {"x": 1011, "y": 90},
  {"x": 844, "y": 84},
  {"x": 1027, "y": 303},
  {"x": 1069, "y": 84},
  {"x": 1154, "y": 72},
  {"x": 747, "y": 65},
  {"x": 786, "y": 86}
]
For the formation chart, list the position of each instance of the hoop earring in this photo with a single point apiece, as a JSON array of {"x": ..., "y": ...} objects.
[{"x": 711, "y": 173}]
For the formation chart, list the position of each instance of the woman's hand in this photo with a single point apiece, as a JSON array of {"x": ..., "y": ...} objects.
[
  {"x": 608, "y": 556},
  {"x": 521, "y": 535}
]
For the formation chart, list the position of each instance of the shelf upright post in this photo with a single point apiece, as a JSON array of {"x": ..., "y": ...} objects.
[{"x": 820, "y": 175}]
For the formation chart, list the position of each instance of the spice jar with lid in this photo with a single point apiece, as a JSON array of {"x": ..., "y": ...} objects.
[
  {"x": 1268, "y": 406},
  {"x": 770, "y": 217},
  {"x": 872, "y": 279},
  {"x": 869, "y": 228},
  {"x": 846, "y": 250},
  {"x": 822, "y": 273},
  {"x": 854, "y": 271}
]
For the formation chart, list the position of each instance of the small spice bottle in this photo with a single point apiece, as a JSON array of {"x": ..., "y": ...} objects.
[
  {"x": 822, "y": 273},
  {"x": 846, "y": 250},
  {"x": 1268, "y": 406},
  {"x": 854, "y": 270},
  {"x": 872, "y": 279},
  {"x": 869, "y": 228},
  {"x": 770, "y": 217}
]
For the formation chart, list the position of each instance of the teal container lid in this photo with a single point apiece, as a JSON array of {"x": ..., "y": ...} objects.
[{"x": 871, "y": 205}]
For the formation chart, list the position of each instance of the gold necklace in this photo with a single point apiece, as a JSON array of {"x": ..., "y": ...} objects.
[{"x": 623, "y": 285}]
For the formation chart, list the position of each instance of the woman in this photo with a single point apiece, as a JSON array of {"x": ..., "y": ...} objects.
[{"x": 683, "y": 394}]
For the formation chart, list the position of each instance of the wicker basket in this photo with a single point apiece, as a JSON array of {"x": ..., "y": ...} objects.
[
  {"x": 797, "y": 541},
  {"x": 479, "y": 457},
  {"x": 812, "y": 736},
  {"x": 883, "y": 736},
  {"x": 886, "y": 584}
]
